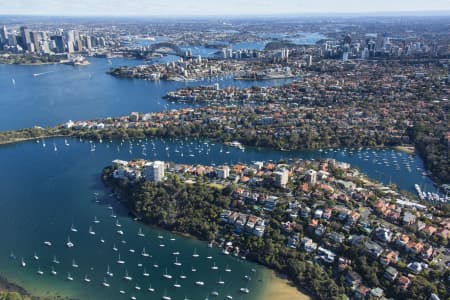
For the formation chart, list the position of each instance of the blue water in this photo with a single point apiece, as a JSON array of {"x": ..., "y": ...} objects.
[
  {"x": 63, "y": 92},
  {"x": 44, "y": 191}
]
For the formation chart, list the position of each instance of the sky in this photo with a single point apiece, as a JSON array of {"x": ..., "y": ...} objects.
[{"x": 213, "y": 7}]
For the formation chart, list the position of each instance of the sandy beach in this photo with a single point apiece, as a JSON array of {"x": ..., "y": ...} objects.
[{"x": 280, "y": 288}]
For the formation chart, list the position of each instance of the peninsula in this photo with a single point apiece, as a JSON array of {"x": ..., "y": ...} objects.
[{"x": 330, "y": 229}]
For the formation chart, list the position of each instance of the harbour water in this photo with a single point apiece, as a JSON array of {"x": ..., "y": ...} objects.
[{"x": 45, "y": 191}]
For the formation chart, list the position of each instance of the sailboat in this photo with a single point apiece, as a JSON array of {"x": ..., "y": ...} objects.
[
  {"x": 214, "y": 267},
  {"x": 177, "y": 263},
  {"x": 140, "y": 233},
  {"x": 146, "y": 274},
  {"x": 96, "y": 221},
  {"x": 91, "y": 232},
  {"x": 73, "y": 229},
  {"x": 54, "y": 147},
  {"x": 53, "y": 272},
  {"x": 35, "y": 256},
  {"x": 195, "y": 253},
  {"x": 105, "y": 283},
  {"x": 118, "y": 224},
  {"x": 221, "y": 282},
  {"x": 23, "y": 263},
  {"x": 120, "y": 261},
  {"x": 55, "y": 260},
  {"x": 166, "y": 275},
  {"x": 144, "y": 253},
  {"x": 40, "y": 272},
  {"x": 109, "y": 273},
  {"x": 127, "y": 276},
  {"x": 86, "y": 278},
  {"x": 74, "y": 264},
  {"x": 69, "y": 243},
  {"x": 227, "y": 269},
  {"x": 69, "y": 277},
  {"x": 150, "y": 289},
  {"x": 114, "y": 247},
  {"x": 66, "y": 142},
  {"x": 165, "y": 297},
  {"x": 176, "y": 284}
]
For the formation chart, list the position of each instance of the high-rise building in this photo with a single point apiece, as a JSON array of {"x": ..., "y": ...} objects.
[
  {"x": 154, "y": 171},
  {"x": 311, "y": 176},
  {"x": 223, "y": 172},
  {"x": 25, "y": 34},
  {"x": 281, "y": 177},
  {"x": 59, "y": 43},
  {"x": 36, "y": 40},
  {"x": 12, "y": 40},
  {"x": 3, "y": 35}
]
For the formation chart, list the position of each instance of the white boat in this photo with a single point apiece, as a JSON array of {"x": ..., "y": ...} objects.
[
  {"x": 53, "y": 272},
  {"x": 140, "y": 233},
  {"x": 145, "y": 273},
  {"x": 244, "y": 290},
  {"x": 109, "y": 273},
  {"x": 221, "y": 282},
  {"x": 118, "y": 224},
  {"x": 119, "y": 232},
  {"x": 69, "y": 277},
  {"x": 91, "y": 231},
  {"x": 47, "y": 243},
  {"x": 160, "y": 237},
  {"x": 74, "y": 264},
  {"x": 166, "y": 298},
  {"x": 132, "y": 250},
  {"x": 182, "y": 276},
  {"x": 127, "y": 276},
  {"x": 176, "y": 253},
  {"x": 23, "y": 263},
  {"x": 150, "y": 289},
  {"x": 115, "y": 248},
  {"x": 215, "y": 293},
  {"x": 209, "y": 257},
  {"x": 176, "y": 284},
  {"x": 229, "y": 297},
  {"x": 86, "y": 278},
  {"x": 105, "y": 283},
  {"x": 102, "y": 240},
  {"x": 214, "y": 267},
  {"x": 193, "y": 269},
  {"x": 54, "y": 147},
  {"x": 177, "y": 263},
  {"x": 200, "y": 283},
  {"x": 156, "y": 266},
  {"x": 40, "y": 272},
  {"x": 137, "y": 287},
  {"x": 66, "y": 142},
  {"x": 122, "y": 292},
  {"x": 120, "y": 261},
  {"x": 69, "y": 243},
  {"x": 166, "y": 275},
  {"x": 73, "y": 229},
  {"x": 35, "y": 256},
  {"x": 195, "y": 254},
  {"x": 227, "y": 269},
  {"x": 96, "y": 221},
  {"x": 144, "y": 253},
  {"x": 55, "y": 261}
]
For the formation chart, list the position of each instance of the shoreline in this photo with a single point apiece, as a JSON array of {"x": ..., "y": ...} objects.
[{"x": 280, "y": 288}]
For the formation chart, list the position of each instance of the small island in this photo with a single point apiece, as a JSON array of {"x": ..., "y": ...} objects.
[{"x": 329, "y": 228}]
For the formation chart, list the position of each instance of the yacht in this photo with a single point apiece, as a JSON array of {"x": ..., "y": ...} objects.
[
  {"x": 146, "y": 274},
  {"x": 244, "y": 290},
  {"x": 200, "y": 283},
  {"x": 221, "y": 282},
  {"x": 86, "y": 278},
  {"x": 69, "y": 243},
  {"x": 215, "y": 293},
  {"x": 35, "y": 256},
  {"x": 166, "y": 275},
  {"x": 193, "y": 269},
  {"x": 137, "y": 287},
  {"x": 176, "y": 284},
  {"x": 209, "y": 257},
  {"x": 119, "y": 232},
  {"x": 96, "y": 221},
  {"x": 166, "y": 297},
  {"x": 229, "y": 297},
  {"x": 140, "y": 233},
  {"x": 102, "y": 240},
  {"x": 227, "y": 269},
  {"x": 53, "y": 272},
  {"x": 118, "y": 224},
  {"x": 115, "y": 248},
  {"x": 47, "y": 243},
  {"x": 182, "y": 276},
  {"x": 155, "y": 266},
  {"x": 127, "y": 277},
  {"x": 150, "y": 289},
  {"x": 23, "y": 263},
  {"x": 176, "y": 253},
  {"x": 69, "y": 277},
  {"x": 40, "y": 272},
  {"x": 132, "y": 250},
  {"x": 122, "y": 292}
]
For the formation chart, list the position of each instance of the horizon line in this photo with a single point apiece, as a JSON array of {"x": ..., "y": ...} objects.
[{"x": 396, "y": 13}]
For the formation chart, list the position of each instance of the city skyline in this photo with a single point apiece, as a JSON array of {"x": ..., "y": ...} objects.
[{"x": 207, "y": 8}]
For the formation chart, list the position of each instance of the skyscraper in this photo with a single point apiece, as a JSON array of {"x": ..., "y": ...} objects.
[
  {"x": 25, "y": 35},
  {"x": 59, "y": 43},
  {"x": 3, "y": 35}
]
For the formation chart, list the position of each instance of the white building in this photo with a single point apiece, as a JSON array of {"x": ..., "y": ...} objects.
[
  {"x": 281, "y": 178},
  {"x": 154, "y": 171},
  {"x": 311, "y": 176},
  {"x": 223, "y": 172}
]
